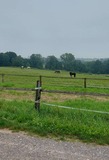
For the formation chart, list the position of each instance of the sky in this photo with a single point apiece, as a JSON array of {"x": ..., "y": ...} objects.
[{"x": 55, "y": 27}]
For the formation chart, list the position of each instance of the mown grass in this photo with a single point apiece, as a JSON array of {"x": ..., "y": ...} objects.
[{"x": 58, "y": 122}]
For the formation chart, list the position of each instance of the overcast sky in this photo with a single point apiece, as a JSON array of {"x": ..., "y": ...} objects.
[{"x": 54, "y": 27}]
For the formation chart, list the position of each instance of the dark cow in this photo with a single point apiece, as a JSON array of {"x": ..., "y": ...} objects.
[
  {"x": 72, "y": 74},
  {"x": 57, "y": 71}
]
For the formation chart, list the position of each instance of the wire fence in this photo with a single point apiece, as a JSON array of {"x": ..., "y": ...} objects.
[{"x": 78, "y": 109}]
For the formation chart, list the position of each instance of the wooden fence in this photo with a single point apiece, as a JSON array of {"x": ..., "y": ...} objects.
[
  {"x": 3, "y": 76},
  {"x": 67, "y": 81},
  {"x": 76, "y": 82},
  {"x": 40, "y": 86}
]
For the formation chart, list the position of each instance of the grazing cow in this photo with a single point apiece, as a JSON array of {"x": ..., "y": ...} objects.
[
  {"x": 28, "y": 67},
  {"x": 72, "y": 74},
  {"x": 57, "y": 71}
]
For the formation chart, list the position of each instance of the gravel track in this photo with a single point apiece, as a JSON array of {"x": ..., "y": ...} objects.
[{"x": 20, "y": 146}]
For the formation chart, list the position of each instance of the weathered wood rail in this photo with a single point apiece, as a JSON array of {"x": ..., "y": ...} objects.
[
  {"x": 39, "y": 89},
  {"x": 85, "y": 82}
]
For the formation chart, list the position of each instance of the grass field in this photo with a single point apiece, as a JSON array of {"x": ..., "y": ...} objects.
[
  {"x": 17, "y": 110},
  {"x": 26, "y": 78}
]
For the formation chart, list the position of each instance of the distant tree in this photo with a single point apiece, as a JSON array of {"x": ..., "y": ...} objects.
[
  {"x": 4, "y": 59},
  {"x": 26, "y": 62},
  {"x": 89, "y": 66},
  {"x": 12, "y": 56},
  {"x": 106, "y": 66},
  {"x": 36, "y": 61},
  {"x": 79, "y": 66},
  {"x": 52, "y": 63},
  {"x": 18, "y": 61},
  {"x": 97, "y": 67},
  {"x": 1, "y": 59},
  {"x": 68, "y": 60}
]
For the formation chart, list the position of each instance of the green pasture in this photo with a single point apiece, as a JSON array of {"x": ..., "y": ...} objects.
[
  {"x": 17, "y": 111},
  {"x": 26, "y": 78}
]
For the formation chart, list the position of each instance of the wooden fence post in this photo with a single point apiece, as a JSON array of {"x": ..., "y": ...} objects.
[
  {"x": 2, "y": 78},
  {"x": 38, "y": 96},
  {"x": 84, "y": 82},
  {"x": 40, "y": 81}
]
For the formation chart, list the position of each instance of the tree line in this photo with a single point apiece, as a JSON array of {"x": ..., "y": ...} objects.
[{"x": 66, "y": 62}]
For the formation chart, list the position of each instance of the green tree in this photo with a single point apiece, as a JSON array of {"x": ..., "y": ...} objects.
[
  {"x": 36, "y": 61},
  {"x": 18, "y": 61},
  {"x": 79, "y": 66},
  {"x": 26, "y": 62},
  {"x": 4, "y": 59},
  {"x": 97, "y": 67},
  {"x": 1, "y": 59},
  {"x": 52, "y": 63},
  {"x": 106, "y": 66},
  {"x": 12, "y": 56},
  {"x": 68, "y": 60}
]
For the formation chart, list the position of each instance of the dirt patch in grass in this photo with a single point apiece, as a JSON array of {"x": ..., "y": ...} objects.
[
  {"x": 17, "y": 95},
  {"x": 58, "y": 97},
  {"x": 46, "y": 97}
]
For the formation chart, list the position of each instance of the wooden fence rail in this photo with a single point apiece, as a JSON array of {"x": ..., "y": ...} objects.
[
  {"x": 19, "y": 75},
  {"x": 39, "y": 87},
  {"x": 85, "y": 80}
]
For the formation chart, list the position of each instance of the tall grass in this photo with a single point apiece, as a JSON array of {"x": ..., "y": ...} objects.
[{"x": 56, "y": 122}]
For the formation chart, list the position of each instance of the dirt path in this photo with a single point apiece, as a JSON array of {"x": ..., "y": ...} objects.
[{"x": 19, "y": 146}]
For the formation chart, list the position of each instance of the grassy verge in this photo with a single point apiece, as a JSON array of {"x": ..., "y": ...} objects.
[{"x": 58, "y": 122}]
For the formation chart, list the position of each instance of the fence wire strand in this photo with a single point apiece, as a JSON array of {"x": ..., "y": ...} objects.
[{"x": 79, "y": 109}]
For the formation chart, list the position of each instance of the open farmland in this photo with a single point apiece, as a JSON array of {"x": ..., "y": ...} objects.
[
  {"x": 26, "y": 78},
  {"x": 17, "y": 110}
]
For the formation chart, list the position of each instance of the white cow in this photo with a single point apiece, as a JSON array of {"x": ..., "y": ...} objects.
[
  {"x": 28, "y": 67},
  {"x": 22, "y": 67}
]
